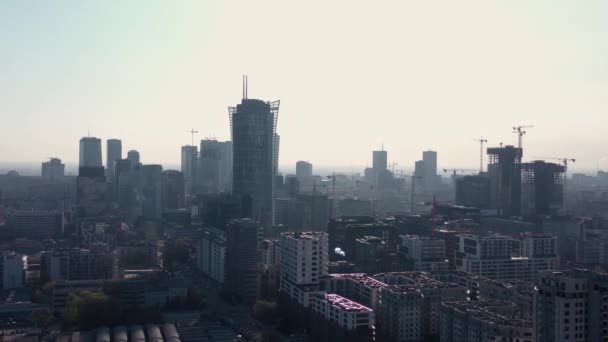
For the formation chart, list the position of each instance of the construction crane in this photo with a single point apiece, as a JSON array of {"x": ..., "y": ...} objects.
[
  {"x": 481, "y": 141},
  {"x": 392, "y": 165},
  {"x": 193, "y": 132},
  {"x": 520, "y": 133}
]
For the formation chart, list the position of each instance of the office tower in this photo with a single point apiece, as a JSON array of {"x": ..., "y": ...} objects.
[
  {"x": 571, "y": 306},
  {"x": 428, "y": 253},
  {"x": 253, "y": 127},
  {"x": 53, "y": 169},
  {"x": 473, "y": 191},
  {"x": 503, "y": 258},
  {"x": 133, "y": 156},
  {"x": 90, "y": 152},
  {"x": 188, "y": 168},
  {"x": 379, "y": 160},
  {"x": 12, "y": 270},
  {"x": 277, "y": 143},
  {"x": 243, "y": 259},
  {"x": 215, "y": 168},
  {"x": 504, "y": 170},
  {"x": 303, "y": 170},
  {"x": 466, "y": 321},
  {"x": 173, "y": 190},
  {"x": 152, "y": 180},
  {"x": 542, "y": 188},
  {"x": 92, "y": 191},
  {"x": 429, "y": 162},
  {"x": 122, "y": 170},
  {"x": 113, "y": 153},
  {"x": 304, "y": 260}
]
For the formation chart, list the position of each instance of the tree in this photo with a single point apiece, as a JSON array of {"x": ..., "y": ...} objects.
[
  {"x": 41, "y": 317},
  {"x": 265, "y": 311},
  {"x": 89, "y": 309},
  {"x": 268, "y": 336}
]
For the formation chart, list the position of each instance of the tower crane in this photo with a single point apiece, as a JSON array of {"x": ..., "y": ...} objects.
[
  {"x": 193, "y": 132},
  {"x": 481, "y": 141},
  {"x": 520, "y": 131}
]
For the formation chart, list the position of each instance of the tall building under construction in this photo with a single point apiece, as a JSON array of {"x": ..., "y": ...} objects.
[
  {"x": 504, "y": 170},
  {"x": 542, "y": 188},
  {"x": 253, "y": 127}
]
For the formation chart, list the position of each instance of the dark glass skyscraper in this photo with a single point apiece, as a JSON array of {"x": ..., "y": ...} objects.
[{"x": 253, "y": 127}]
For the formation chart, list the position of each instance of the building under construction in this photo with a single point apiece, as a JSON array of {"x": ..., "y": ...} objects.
[
  {"x": 504, "y": 170},
  {"x": 542, "y": 188}
]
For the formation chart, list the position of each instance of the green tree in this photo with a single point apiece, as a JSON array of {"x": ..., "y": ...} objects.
[
  {"x": 89, "y": 309},
  {"x": 41, "y": 317}
]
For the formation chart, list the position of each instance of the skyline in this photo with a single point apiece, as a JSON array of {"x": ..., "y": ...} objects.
[{"x": 374, "y": 80}]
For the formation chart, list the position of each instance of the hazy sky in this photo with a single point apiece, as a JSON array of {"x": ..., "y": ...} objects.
[{"x": 351, "y": 75}]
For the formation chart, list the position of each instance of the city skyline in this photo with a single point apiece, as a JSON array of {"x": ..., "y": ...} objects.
[{"x": 534, "y": 64}]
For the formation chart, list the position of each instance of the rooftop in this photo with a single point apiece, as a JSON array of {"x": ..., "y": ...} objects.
[{"x": 345, "y": 304}]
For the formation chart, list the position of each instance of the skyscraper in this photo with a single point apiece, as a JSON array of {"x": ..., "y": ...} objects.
[
  {"x": 277, "y": 144},
  {"x": 90, "y": 152},
  {"x": 152, "y": 180},
  {"x": 172, "y": 193},
  {"x": 53, "y": 169},
  {"x": 303, "y": 170},
  {"x": 253, "y": 125},
  {"x": 188, "y": 168},
  {"x": 379, "y": 162},
  {"x": 215, "y": 169},
  {"x": 243, "y": 256},
  {"x": 133, "y": 156},
  {"x": 504, "y": 169},
  {"x": 429, "y": 162},
  {"x": 113, "y": 153}
]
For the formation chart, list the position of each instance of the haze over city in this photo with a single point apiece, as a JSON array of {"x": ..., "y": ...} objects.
[{"x": 351, "y": 76}]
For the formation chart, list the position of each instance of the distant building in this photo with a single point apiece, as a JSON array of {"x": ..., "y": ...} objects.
[
  {"x": 429, "y": 160},
  {"x": 485, "y": 320},
  {"x": 134, "y": 158},
  {"x": 501, "y": 258},
  {"x": 113, "y": 153},
  {"x": 77, "y": 264},
  {"x": 152, "y": 191},
  {"x": 571, "y": 306},
  {"x": 253, "y": 126},
  {"x": 303, "y": 170},
  {"x": 242, "y": 261},
  {"x": 189, "y": 169},
  {"x": 13, "y": 271},
  {"x": 92, "y": 191},
  {"x": 173, "y": 189},
  {"x": 473, "y": 191},
  {"x": 428, "y": 254},
  {"x": 211, "y": 254},
  {"x": 504, "y": 170},
  {"x": 90, "y": 152},
  {"x": 34, "y": 225},
  {"x": 215, "y": 167},
  {"x": 53, "y": 170},
  {"x": 542, "y": 188}
]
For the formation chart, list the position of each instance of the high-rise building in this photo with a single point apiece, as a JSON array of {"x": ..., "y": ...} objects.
[
  {"x": 90, "y": 152},
  {"x": 188, "y": 168},
  {"x": 571, "y": 306},
  {"x": 473, "y": 191},
  {"x": 215, "y": 169},
  {"x": 173, "y": 190},
  {"x": 429, "y": 161},
  {"x": 303, "y": 170},
  {"x": 304, "y": 260},
  {"x": 379, "y": 160},
  {"x": 428, "y": 253},
  {"x": 133, "y": 156},
  {"x": 253, "y": 126},
  {"x": 504, "y": 170},
  {"x": 92, "y": 191},
  {"x": 113, "y": 153},
  {"x": 277, "y": 144},
  {"x": 152, "y": 181},
  {"x": 243, "y": 259},
  {"x": 542, "y": 188},
  {"x": 53, "y": 169},
  {"x": 211, "y": 253},
  {"x": 13, "y": 270}
]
